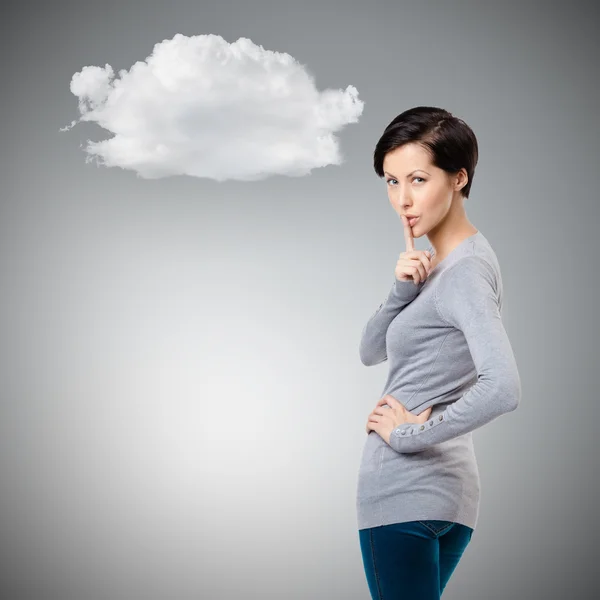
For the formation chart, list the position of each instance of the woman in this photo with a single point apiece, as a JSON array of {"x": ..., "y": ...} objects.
[{"x": 451, "y": 365}]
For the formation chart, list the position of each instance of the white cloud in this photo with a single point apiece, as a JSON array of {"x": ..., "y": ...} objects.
[{"x": 202, "y": 107}]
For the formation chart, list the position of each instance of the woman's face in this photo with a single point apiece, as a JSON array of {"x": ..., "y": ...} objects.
[{"x": 416, "y": 187}]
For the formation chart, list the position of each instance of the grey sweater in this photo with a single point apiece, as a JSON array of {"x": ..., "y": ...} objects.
[{"x": 446, "y": 348}]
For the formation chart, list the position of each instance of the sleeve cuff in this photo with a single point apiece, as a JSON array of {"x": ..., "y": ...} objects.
[
  {"x": 411, "y": 430},
  {"x": 406, "y": 290},
  {"x": 407, "y": 429}
]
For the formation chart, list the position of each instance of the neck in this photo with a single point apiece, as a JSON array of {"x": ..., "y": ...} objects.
[{"x": 451, "y": 232}]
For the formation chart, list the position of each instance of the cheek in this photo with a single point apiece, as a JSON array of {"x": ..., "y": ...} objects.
[
  {"x": 434, "y": 201},
  {"x": 429, "y": 205}
]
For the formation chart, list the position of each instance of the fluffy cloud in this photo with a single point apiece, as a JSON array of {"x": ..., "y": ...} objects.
[{"x": 203, "y": 107}]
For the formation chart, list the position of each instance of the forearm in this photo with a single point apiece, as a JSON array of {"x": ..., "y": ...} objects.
[
  {"x": 372, "y": 347},
  {"x": 481, "y": 404}
]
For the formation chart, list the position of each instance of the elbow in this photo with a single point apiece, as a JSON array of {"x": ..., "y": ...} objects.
[
  {"x": 370, "y": 361},
  {"x": 372, "y": 358},
  {"x": 510, "y": 394},
  {"x": 370, "y": 352},
  {"x": 514, "y": 391},
  {"x": 502, "y": 389},
  {"x": 516, "y": 395}
]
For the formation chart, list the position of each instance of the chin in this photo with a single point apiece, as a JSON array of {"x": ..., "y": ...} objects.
[{"x": 418, "y": 232}]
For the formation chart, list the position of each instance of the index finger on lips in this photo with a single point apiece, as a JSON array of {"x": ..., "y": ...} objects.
[{"x": 408, "y": 236}]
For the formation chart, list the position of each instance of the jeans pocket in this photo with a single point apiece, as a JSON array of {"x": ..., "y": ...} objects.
[{"x": 437, "y": 527}]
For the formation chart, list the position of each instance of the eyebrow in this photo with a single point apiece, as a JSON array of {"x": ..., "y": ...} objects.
[{"x": 408, "y": 174}]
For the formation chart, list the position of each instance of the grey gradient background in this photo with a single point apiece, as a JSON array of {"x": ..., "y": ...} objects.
[{"x": 183, "y": 405}]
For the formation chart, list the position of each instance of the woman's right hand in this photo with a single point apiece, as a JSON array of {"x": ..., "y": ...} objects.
[{"x": 412, "y": 264}]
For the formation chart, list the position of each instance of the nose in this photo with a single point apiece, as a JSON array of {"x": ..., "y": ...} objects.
[
  {"x": 403, "y": 196},
  {"x": 406, "y": 205}
]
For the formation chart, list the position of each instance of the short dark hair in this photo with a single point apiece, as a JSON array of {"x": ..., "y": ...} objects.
[{"x": 448, "y": 139}]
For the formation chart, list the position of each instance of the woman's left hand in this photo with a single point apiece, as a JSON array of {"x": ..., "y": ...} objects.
[{"x": 384, "y": 419}]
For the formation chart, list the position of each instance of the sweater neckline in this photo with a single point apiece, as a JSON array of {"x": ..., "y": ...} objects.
[{"x": 453, "y": 251}]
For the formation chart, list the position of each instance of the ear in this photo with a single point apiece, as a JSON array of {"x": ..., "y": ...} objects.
[{"x": 461, "y": 179}]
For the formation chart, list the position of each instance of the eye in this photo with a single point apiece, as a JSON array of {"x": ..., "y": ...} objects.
[{"x": 415, "y": 177}]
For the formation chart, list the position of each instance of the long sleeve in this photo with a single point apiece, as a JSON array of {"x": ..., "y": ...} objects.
[
  {"x": 466, "y": 298},
  {"x": 372, "y": 347}
]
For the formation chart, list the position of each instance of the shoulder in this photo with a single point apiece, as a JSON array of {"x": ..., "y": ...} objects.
[
  {"x": 474, "y": 269},
  {"x": 470, "y": 285}
]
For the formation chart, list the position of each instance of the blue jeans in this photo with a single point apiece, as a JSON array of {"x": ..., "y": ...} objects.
[{"x": 412, "y": 560}]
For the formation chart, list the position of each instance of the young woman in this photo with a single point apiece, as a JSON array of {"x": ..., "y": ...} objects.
[{"x": 451, "y": 365}]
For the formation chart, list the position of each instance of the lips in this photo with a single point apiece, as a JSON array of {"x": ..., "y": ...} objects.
[{"x": 412, "y": 221}]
